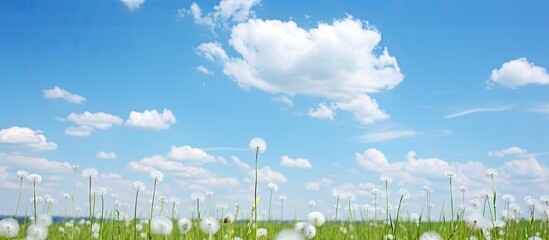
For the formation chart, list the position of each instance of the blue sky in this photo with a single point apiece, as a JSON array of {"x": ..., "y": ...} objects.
[{"x": 343, "y": 92}]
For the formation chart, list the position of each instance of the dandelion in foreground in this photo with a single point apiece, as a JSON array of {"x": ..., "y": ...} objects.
[
  {"x": 9, "y": 228},
  {"x": 209, "y": 226},
  {"x": 316, "y": 219},
  {"x": 162, "y": 226},
  {"x": 289, "y": 235},
  {"x": 258, "y": 145},
  {"x": 261, "y": 232},
  {"x": 37, "y": 232},
  {"x": 20, "y": 174},
  {"x": 430, "y": 236},
  {"x": 308, "y": 231},
  {"x": 90, "y": 173},
  {"x": 138, "y": 186},
  {"x": 156, "y": 176},
  {"x": 184, "y": 225},
  {"x": 34, "y": 178}
]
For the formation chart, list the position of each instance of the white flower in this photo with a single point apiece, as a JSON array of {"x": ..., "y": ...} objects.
[
  {"x": 184, "y": 225},
  {"x": 139, "y": 186},
  {"x": 316, "y": 219},
  {"x": 9, "y": 228},
  {"x": 385, "y": 179},
  {"x": 44, "y": 219},
  {"x": 258, "y": 144},
  {"x": 89, "y": 173},
  {"x": 491, "y": 173},
  {"x": 299, "y": 226},
  {"x": 289, "y": 235},
  {"x": 115, "y": 195},
  {"x": 261, "y": 232},
  {"x": 404, "y": 193},
  {"x": 161, "y": 225},
  {"x": 449, "y": 174},
  {"x": 197, "y": 196},
  {"x": 375, "y": 191},
  {"x": 37, "y": 231},
  {"x": 66, "y": 196},
  {"x": 430, "y": 236},
  {"x": 427, "y": 189},
  {"x": 308, "y": 231},
  {"x": 463, "y": 189},
  {"x": 475, "y": 221},
  {"x": 228, "y": 218},
  {"x": 101, "y": 191},
  {"x": 209, "y": 225},
  {"x": 174, "y": 200},
  {"x": 35, "y": 178},
  {"x": 273, "y": 187},
  {"x": 312, "y": 203},
  {"x": 157, "y": 176},
  {"x": 22, "y": 173},
  {"x": 96, "y": 227},
  {"x": 221, "y": 206},
  {"x": 75, "y": 167},
  {"x": 282, "y": 198},
  {"x": 508, "y": 198}
]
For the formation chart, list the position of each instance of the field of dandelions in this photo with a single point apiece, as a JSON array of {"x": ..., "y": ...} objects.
[{"x": 487, "y": 216}]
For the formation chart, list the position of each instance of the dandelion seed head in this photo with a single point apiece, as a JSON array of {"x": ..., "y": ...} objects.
[
  {"x": 312, "y": 203},
  {"x": 282, "y": 198},
  {"x": 197, "y": 196},
  {"x": 273, "y": 187},
  {"x": 258, "y": 144},
  {"x": 37, "y": 231},
  {"x": 449, "y": 174},
  {"x": 261, "y": 232},
  {"x": 475, "y": 221},
  {"x": 228, "y": 218},
  {"x": 404, "y": 193},
  {"x": 161, "y": 226},
  {"x": 21, "y": 173},
  {"x": 35, "y": 178},
  {"x": 156, "y": 176},
  {"x": 508, "y": 198},
  {"x": 66, "y": 196},
  {"x": 75, "y": 167},
  {"x": 184, "y": 225},
  {"x": 100, "y": 191},
  {"x": 427, "y": 189},
  {"x": 289, "y": 235},
  {"x": 209, "y": 225},
  {"x": 174, "y": 200},
  {"x": 491, "y": 173},
  {"x": 9, "y": 228},
  {"x": 89, "y": 173},
  {"x": 385, "y": 179},
  {"x": 44, "y": 219},
  {"x": 463, "y": 189},
  {"x": 308, "y": 231},
  {"x": 316, "y": 219},
  {"x": 139, "y": 186}
]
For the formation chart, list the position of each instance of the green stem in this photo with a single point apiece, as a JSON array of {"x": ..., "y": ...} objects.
[
  {"x": 135, "y": 216},
  {"x": 19, "y": 197},
  {"x": 152, "y": 209},
  {"x": 255, "y": 193}
]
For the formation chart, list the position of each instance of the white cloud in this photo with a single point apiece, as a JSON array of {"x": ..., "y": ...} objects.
[
  {"x": 519, "y": 72},
  {"x": 110, "y": 176},
  {"x": 225, "y": 12},
  {"x": 281, "y": 57},
  {"x": 240, "y": 164},
  {"x": 510, "y": 151},
  {"x": 158, "y": 162},
  {"x": 218, "y": 182},
  {"x": 386, "y": 135},
  {"x": 35, "y": 163},
  {"x": 88, "y": 122},
  {"x": 373, "y": 159},
  {"x": 4, "y": 174},
  {"x": 26, "y": 138},
  {"x": 151, "y": 119},
  {"x": 133, "y": 5},
  {"x": 323, "y": 111},
  {"x": 530, "y": 168},
  {"x": 58, "y": 93},
  {"x": 283, "y": 99},
  {"x": 295, "y": 163},
  {"x": 204, "y": 70},
  {"x": 106, "y": 155},
  {"x": 188, "y": 153},
  {"x": 312, "y": 186},
  {"x": 475, "y": 110},
  {"x": 266, "y": 174}
]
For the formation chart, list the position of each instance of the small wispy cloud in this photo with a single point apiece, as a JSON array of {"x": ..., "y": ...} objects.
[
  {"x": 476, "y": 110},
  {"x": 386, "y": 135}
]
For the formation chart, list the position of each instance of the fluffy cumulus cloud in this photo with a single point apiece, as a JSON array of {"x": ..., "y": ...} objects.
[
  {"x": 323, "y": 111},
  {"x": 312, "y": 186},
  {"x": 133, "y": 4},
  {"x": 26, "y": 139},
  {"x": 59, "y": 93},
  {"x": 204, "y": 70},
  {"x": 268, "y": 175},
  {"x": 295, "y": 163},
  {"x": 224, "y": 13},
  {"x": 510, "y": 151},
  {"x": 159, "y": 162},
  {"x": 35, "y": 163},
  {"x": 106, "y": 155},
  {"x": 151, "y": 119},
  {"x": 188, "y": 153},
  {"x": 89, "y": 122},
  {"x": 517, "y": 73},
  {"x": 281, "y": 57}
]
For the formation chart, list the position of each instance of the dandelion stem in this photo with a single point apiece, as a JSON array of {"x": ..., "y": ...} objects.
[
  {"x": 135, "y": 215},
  {"x": 19, "y": 197},
  {"x": 152, "y": 209},
  {"x": 255, "y": 193}
]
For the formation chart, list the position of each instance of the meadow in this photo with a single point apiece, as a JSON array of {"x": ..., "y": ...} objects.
[{"x": 484, "y": 216}]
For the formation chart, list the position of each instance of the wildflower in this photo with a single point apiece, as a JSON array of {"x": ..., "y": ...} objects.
[
  {"x": 162, "y": 226},
  {"x": 427, "y": 189},
  {"x": 308, "y": 231},
  {"x": 89, "y": 173},
  {"x": 228, "y": 218},
  {"x": 157, "y": 176},
  {"x": 261, "y": 232},
  {"x": 476, "y": 221},
  {"x": 75, "y": 167},
  {"x": 174, "y": 200},
  {"x": 299, "y": 226},
  {"x": 22, "y": 173},
  {"x": 66, "y": 196},
  {"x": 184, "y": 225},
  {"x": 404, "y": 193},
  {"x": 37, "y": 231},
  {"x": 209, "y": 225},
  {"x": 463, "y": 189},
  {"x": 491, "y": 173},
  {"x": 35, "y": 178},
  {"x": 258, "y": 144},
  {"x": 385, "y": 179},
  {"x": 508, "y": 198},
  {"x": 9, "y": 228},
  {"x": 44, "y": 219},
  {"x": 430, "y": 236},
  {"x": 273, "y": 187},
  {"x": 101, "y": 191},
  {"x": 196, "y": 196},
  {"x": 312, "y": 203},
  {"x": 316, "y": 219},
  {"x": 449, "y": 174},
  {"x": 139, "y": 186}
]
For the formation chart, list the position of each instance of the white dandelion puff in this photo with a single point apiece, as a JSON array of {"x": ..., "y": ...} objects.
[
  {"x": 89, "y": 173},
  {"x": 316, "y": 219},
  {"x": 37, "y": 231},
  {"x": 273, "y": 187},
  {"x": 209, "y": 225},
  {"x": 261, "y": 232},
  {"x": 258, "y": 144},
  {"x": 9, "y": 228},
  {"x": 161, "y": 226},
  {"x": 139, "y": 186},
  {"x": 430, "y": 236},
  {"x": 289, "y": 235},
  {"x": 35, "y": 178},
  {"x": 157, "y": 176},
  {"x": 21, "y": 173},
  {"x": 184, "y": 225}
]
